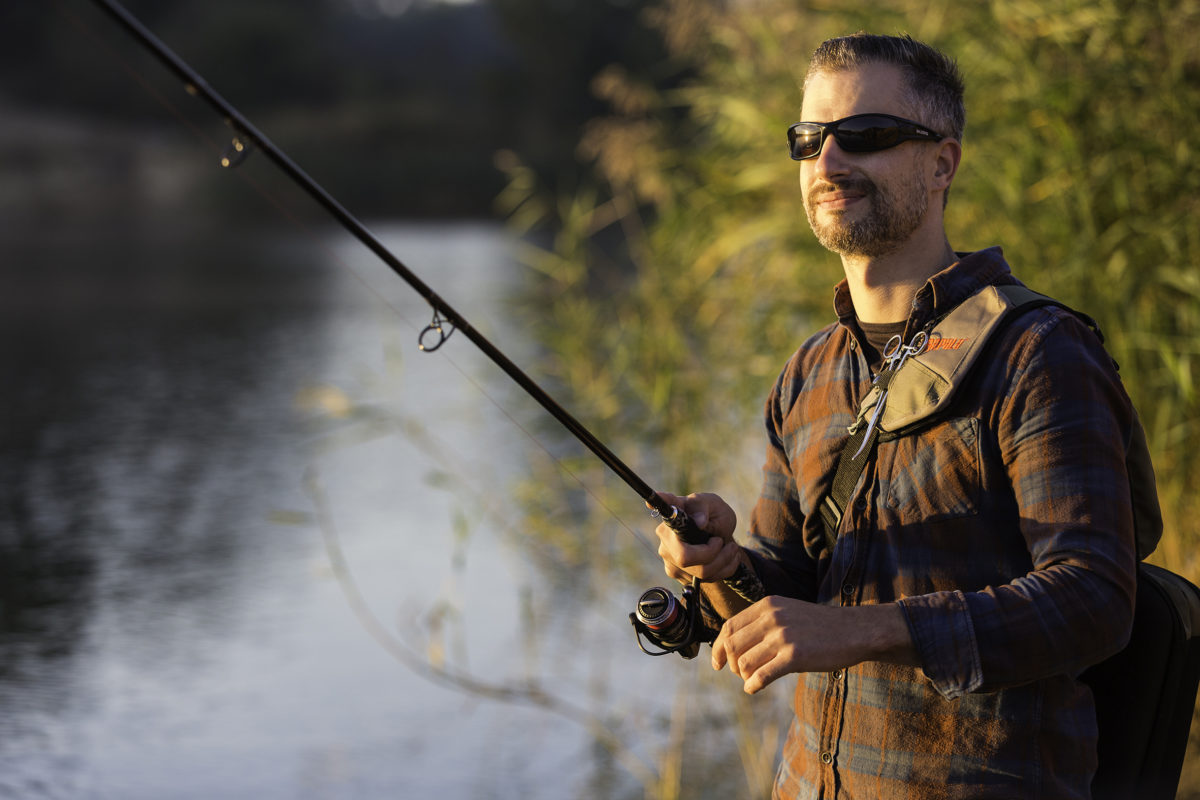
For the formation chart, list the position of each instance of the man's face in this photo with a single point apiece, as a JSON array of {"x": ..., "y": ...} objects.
[{"x": 863, "y": 204}]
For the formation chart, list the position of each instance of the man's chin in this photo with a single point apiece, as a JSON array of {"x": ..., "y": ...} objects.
[
  {"x": 836, "y": 235},
  {"x": 847, "y": 241}
]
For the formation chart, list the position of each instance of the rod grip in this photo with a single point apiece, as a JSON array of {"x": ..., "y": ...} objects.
[
  {"x": 685, "y": 528},
  {"x": 744, "y": 581}
]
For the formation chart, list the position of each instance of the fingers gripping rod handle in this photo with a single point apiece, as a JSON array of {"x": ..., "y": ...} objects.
[
  {"x": 744, "y": 581},
  {"x": 683, "y": 525}
]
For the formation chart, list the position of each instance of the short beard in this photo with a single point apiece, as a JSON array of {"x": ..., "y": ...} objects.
[{"x": 891, "y": 220}]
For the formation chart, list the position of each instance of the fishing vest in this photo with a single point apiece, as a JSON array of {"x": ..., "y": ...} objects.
[{"x": 922, "y": 388}]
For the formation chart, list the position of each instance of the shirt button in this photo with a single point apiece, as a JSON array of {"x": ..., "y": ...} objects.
[
  {"x": 837, "y": 674},
  {"x": 860, "y": 503},
  {"x": 847, "y": 589},
  {"x": 827, "y": 757}
]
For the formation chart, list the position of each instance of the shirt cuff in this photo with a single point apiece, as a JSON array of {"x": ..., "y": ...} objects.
[{"x": 944, "y": 636}]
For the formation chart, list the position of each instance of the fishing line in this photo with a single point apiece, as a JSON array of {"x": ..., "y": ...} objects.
[{"x": 239, "y": 150}]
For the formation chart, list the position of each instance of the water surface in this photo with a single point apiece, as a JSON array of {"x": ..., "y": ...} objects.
[{"x": 197, "y": 428}]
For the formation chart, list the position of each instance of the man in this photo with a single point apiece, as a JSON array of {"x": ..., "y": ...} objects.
[{"x": 982, "y": 562}]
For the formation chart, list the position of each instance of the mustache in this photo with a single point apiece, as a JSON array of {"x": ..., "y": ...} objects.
[{"x": 861, "y": 185}]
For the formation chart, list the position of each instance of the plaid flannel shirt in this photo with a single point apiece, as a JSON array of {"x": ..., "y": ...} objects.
[{"x": 1004, "y": 531}]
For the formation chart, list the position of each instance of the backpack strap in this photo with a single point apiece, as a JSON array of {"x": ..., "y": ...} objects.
[
  {"x": 849, "y": 468},
  {"x": 928, "y": 382},
  {"x": 925, "y": 385}
]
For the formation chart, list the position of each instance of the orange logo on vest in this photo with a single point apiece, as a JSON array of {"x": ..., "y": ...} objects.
[{"x": 940, "y": 343}]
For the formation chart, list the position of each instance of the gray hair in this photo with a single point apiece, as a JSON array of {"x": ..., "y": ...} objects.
[{"x": 934, "y": 82}]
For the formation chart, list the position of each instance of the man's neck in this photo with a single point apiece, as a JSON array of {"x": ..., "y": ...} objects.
[{"x": 883, "y": 287}]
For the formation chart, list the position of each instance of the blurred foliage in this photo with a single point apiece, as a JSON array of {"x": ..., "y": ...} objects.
[{"x": 677, "y": 285}]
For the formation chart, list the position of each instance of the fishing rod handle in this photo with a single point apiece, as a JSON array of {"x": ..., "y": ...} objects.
[
  {"x": 685, "y": 527},
  {"x": 744, "y": 581}
]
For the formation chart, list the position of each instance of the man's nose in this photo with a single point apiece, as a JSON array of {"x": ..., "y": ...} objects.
[{"x": 831, "y": 161}]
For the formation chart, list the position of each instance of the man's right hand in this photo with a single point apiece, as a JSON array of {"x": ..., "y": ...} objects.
[{"x": 713, "y": 560}]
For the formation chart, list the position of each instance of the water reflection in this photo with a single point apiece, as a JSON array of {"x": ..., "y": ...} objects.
[
  {"x": 147, "y": 408},
  {"x": 163, "y": 633},
  {"x": 179, "y": 406}
]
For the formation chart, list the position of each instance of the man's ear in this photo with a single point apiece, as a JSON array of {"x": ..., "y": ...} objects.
[{"x": 945, "y": 164}]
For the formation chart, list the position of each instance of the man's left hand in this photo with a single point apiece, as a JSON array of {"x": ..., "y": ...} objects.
[{"x": 779, "y": 635}]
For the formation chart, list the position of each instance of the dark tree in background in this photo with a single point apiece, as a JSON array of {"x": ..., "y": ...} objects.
[{"x": 399, "y": 114}]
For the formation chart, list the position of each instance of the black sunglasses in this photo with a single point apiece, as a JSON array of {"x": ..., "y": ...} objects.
[{"x": 861, "y": 133}]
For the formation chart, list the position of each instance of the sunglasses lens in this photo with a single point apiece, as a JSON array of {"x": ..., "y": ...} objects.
[
  {"x": 867, "y": 134},
  {"x": 864, "y": 133},
  {"x": 804, "y": 140}
]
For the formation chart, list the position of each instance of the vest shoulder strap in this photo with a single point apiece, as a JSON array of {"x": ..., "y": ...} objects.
[{"x": 926, "y": 383}]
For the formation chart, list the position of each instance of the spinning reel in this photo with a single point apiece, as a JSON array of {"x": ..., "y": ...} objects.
[{"x": 673, "y": 626}]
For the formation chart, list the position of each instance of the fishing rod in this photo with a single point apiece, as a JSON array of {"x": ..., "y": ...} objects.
[{"x": 658, "y": 617}]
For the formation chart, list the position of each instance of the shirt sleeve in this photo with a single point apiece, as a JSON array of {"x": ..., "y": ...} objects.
[
  {"x": 1063, "y": 428},
  {"x": 776, "y": 547}
]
